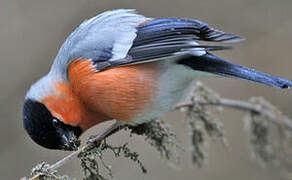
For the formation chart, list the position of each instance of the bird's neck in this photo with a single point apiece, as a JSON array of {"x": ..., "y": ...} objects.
[{"x": 65, "y": 105}]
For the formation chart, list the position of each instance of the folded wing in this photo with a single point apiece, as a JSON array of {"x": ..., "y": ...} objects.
[{"x": 160, "y": 38}]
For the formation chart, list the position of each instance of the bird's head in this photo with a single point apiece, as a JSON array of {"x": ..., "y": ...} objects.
[
  {"x": 47, "y": 130},
  {"x": 51, "y": 116}
]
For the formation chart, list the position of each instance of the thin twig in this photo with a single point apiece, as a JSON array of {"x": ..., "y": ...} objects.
[
  {"x": 242, "y": 105},
  {"x": 96, "y": 138}
]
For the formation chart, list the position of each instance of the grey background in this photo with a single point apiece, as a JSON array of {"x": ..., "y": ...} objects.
[{"x": 31, "y": 31}]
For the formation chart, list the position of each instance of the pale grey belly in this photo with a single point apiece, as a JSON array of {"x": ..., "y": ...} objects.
[{"x": 175, "y": 83}]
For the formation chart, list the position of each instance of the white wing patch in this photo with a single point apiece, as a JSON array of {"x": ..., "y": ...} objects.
[{"x": 197, "y": 51}]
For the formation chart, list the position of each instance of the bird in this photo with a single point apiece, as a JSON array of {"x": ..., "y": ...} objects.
[{"x": 123, "y": 66}]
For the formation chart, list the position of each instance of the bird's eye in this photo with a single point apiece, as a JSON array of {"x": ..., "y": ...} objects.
[{"x": 56, "y": 123}]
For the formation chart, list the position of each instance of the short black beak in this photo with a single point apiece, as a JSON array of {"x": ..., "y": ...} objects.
[{"x": 70, "y": 141}]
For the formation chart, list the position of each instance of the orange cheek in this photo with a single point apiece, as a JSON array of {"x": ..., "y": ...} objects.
[{"x": 64, "y": 105}]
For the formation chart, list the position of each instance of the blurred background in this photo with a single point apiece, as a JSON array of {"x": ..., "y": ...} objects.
[{"x": 31, "y": 32}]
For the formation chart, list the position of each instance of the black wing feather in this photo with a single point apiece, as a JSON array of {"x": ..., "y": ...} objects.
[
  {"x": 164, "y": 27},
  {"x": 165, "y": 37}
]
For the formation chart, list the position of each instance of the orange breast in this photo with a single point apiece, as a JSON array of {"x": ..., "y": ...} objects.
[{"x": 118, "y": 93}]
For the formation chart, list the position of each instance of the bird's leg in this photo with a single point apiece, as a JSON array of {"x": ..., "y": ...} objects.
[{"x": 116, "y": 126}]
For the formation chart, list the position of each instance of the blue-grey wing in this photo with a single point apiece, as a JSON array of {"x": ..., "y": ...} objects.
[
  {"x": 105, "y": 37},
  {"x": 122, "y": 37},
  {"x": 161, "y": 38}
]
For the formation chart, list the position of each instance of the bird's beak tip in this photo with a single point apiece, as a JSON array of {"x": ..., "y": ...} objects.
[
  {"x": 71, "y": 142},
  {"x": 72, "y": 146}
]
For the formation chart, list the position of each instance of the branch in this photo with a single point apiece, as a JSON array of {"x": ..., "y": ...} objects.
[
  {"x": 263, "y": 120},
  {"x": 109, "y": 131},
  {"x": 164, "y": 140},
  {"x": 157, "y": 135},
  {"x": 245, "y": 106}
]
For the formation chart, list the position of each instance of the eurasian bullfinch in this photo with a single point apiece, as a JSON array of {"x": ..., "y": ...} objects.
[{"x": 124, "y": 66}]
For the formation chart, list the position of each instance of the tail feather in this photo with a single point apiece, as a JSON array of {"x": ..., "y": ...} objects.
[{"x": 216, "y": 65}]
